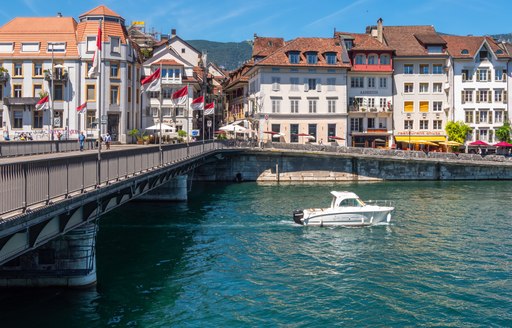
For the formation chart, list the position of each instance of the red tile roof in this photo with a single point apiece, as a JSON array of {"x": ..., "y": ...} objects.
[
  {"x": 90, "y": 28},
  {"x": 170, "y": 62},
  {"x": 303, "y": 45},
  {"x": 264, "y": 46},
  {"x": 473, "y": 44},
  {"x": 403, "y": 39},
  {"x": 101, "y": 10},
  {"x": 364, "y": 42},
  {"x": 42, "y": 30}
]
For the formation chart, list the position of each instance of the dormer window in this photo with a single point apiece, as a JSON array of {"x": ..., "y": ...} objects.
[
  {"x": 499, "y": 52},
  {"x": 293, "y": 57},
  {"x": 349, "y": 44},
  {"x": 115, "y": 45},
  {"x": 56, "y": 47},
  {"x": 464, "y": 52},
  {"x": 360, "y": 59},
  {"x": 312, "y": 57},
  {"x": 372, "y": 60},
  {"x": 330, "y": 58},
  {"x": 384, "y": 59},
  {"x": 435, "y": 49},
  {"x": 483, "y": 54}
]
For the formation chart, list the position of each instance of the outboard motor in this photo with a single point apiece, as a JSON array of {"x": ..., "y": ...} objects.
[{"x": 297, "y": 216}]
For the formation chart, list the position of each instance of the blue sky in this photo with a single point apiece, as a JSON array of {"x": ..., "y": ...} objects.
[{"x": 238, "y": 20}]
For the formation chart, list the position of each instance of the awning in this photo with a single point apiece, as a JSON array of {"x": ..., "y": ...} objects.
[{"x": 419, "y": 138}]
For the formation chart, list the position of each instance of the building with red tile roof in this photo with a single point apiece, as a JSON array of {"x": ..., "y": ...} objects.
[
  {"x": 52, "y": 55},
  {"x": 479, "y": 77}
]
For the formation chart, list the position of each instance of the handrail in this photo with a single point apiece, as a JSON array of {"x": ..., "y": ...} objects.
[{"x": 25, "y": 185}]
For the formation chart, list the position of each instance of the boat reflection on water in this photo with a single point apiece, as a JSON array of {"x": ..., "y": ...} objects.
[{"x": 346, "y": 209}]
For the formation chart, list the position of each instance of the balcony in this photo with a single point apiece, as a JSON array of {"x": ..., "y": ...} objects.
[
  {"x": 4, "y": 75},
  {"x": 59, "y": 75},
  {"x": 372, "y": 68}
]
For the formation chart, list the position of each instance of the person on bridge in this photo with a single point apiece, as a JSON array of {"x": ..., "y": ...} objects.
[
  {"x": 108, "y": 139},
  {"x": 81, "y": 140}
]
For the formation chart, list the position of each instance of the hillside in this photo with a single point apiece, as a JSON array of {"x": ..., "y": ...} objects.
[{"x": 229, "y": 55}]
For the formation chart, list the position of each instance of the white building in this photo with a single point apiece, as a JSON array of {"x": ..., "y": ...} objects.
[
  {"x": 480, "y": 83},
  {"x": 300, "y": 91}
]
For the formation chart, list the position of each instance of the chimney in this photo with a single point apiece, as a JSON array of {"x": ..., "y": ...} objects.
[
  {"x": 379, "y": 30},
  {"x": 173, "y": 33},
  {"x": 59, "y": 14}
]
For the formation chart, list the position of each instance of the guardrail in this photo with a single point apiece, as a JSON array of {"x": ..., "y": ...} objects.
[
  {"x": 32, "y": 183},
  {"x": 25, "y": 148}
]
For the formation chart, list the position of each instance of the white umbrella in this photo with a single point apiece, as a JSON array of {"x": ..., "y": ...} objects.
[
  {"x": 277, "y": 135},
  {"x": 233, "y": 128},
  {"x": 156, "y": 127}
]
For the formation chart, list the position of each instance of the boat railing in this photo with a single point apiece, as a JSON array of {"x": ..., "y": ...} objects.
[{"x": 380, "y": 202}]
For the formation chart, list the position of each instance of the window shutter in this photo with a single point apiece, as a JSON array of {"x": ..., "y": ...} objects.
[
  {"x": 477, "y": 96},
  {"x": 504, "y": 96},
  {"x": 463, "y": 97},
  {"x": 490, "y": 118},
  {"x": 489, "y": 75},
  {"x": 477, "y": 117},
  {"x": 464, "y": 76},
  {"x": 489, "y": 96},
  {"x": 478, "y": 75}
]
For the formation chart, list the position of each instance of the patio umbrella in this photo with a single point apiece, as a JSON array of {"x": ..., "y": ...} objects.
[
  {"x": 450, "y": 143},
  {"x": 156, "y": 127},
  {"x": 380, "y": 140},
  {"x": 503, "y": 144},
  {"x": 277, "y": 135},
  {"x": 479, "y": 143},
  {"x": 270, "y": 132},
  {"x": 336, "y": 138}
]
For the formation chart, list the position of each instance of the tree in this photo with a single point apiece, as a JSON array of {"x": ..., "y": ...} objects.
[
  {"x": 457, "y": 131},
  {"x": 503, "y": 132}
]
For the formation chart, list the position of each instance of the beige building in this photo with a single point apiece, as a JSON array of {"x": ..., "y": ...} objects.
[{"x": 299, "y": 91}]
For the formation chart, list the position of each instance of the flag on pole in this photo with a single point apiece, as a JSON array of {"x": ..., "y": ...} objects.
[
  {"x": 152, "y": 82},
  {"x": 43, "y": 103},
  {"x": 82, "y": 108},
  {"x": 198, "y": 103},
  {"x": 180, "y": 96},
  {"x": 209, "y": 108},
  {"x": 95, "y": 69}
]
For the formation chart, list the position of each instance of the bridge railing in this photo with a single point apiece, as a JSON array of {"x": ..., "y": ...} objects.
[
  {"x": 33, "y": 183},
  {"x": 35, "y": 147}
]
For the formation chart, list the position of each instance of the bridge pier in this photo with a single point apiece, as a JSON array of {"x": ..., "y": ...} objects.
[
  {"x": 174, "y": 190},
  {"x": 67, "y": 261}
]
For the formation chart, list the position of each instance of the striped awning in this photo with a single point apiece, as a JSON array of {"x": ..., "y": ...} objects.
[{"x": 419, "y": 138}]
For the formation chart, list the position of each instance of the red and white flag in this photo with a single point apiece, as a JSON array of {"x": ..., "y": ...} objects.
[
  {"x": 95, "y": 69},
  {"x": 82, "y": 108},
  {"x": 180, "y": 96},
  {"x": 209, "y": 109},
  {"x": 152, "y": 82},
  {"x": 43, "y": 103},
  {"x": 198, "y": 103}
]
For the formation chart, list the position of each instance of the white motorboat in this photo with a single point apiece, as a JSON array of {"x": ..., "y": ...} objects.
[{"x": 347, "y": 209}]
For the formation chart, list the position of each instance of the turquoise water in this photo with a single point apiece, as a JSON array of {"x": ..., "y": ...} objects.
[{"x": 232, "y": 257}]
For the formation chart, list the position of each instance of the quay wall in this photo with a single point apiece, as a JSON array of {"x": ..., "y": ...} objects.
[{"x": 311, "y": 166}]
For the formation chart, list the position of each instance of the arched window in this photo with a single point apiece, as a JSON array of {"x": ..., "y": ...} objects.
[
  {"x": 360, "y": 59},
  {"x": 384, "y": 59}
]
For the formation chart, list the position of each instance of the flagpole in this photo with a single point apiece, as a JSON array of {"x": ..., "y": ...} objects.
[
  {"x": 160, "y": 119},
  {"x": 205, "y": 87},
  {"x": 100, "y": 98},
  {"x": 188, "y": 124},
  {"x": 51, "y": 95}
]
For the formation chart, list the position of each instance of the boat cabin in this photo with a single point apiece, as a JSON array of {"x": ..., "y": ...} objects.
[{"x": 345, "y": 199}]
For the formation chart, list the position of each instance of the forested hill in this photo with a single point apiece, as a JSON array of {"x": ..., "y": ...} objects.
[{"x": 229, "y": 55}]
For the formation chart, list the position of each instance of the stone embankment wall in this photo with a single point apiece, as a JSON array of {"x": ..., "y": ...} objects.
[{"x": 328, "y": 163}]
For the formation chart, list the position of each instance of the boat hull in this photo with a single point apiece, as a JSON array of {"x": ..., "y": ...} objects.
[{"x": 357, "y": 217}]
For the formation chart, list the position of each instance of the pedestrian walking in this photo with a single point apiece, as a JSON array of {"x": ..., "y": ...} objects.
[
  {"x": 108, "y": 139},
  {"x": 81, "y": 140}
]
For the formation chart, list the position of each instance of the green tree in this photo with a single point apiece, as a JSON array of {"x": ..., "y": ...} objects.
[
  {"x": 503, "y": 132},
  {"x": 457, "y": 131}
]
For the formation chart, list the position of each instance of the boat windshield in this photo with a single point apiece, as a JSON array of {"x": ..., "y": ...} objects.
[{"x": 351, "y": 202}]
